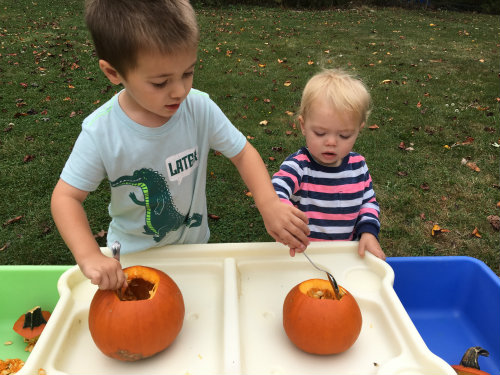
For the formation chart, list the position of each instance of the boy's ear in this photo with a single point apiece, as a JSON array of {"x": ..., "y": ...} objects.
[
  {"x": 362, "y": 125},
  {"x": 110, "y": 72}
]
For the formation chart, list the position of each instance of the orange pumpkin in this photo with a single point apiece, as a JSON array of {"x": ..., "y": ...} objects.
[
  {"x": 139, "y": 321},
  {"x": 31, "y": 324},
  {"x": 469, "y": 364},
  {"x": 318, "y": 323}
]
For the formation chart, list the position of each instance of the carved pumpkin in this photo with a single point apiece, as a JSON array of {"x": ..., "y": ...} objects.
[
  {"x": 318, "y": 323},
  {"x": 139, "y": 321},
  {"x": 31, "y": 324},
  {"x": 469, "y": 364}
]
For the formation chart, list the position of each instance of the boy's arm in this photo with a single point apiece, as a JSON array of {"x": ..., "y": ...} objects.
[
  {"x": 285, "y": 223},
  {"x": 71, "y": 221}
]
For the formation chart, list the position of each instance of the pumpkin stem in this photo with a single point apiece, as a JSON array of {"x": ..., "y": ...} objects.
[
  {"x": 471, "y": 356},
  {"x": 34, "y": 318}
]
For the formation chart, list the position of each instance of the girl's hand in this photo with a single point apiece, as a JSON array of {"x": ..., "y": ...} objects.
[{"x": 368, "y": 242}]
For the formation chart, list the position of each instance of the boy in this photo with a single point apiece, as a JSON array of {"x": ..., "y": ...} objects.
[
  {"x": 151, "y": 141},
  {"x": 326, "y": 180}
]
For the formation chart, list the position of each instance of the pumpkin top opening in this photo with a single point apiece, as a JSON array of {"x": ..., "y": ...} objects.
[
  {"x": 138, "y": 289},
  {"x": 320, "y": 289}
]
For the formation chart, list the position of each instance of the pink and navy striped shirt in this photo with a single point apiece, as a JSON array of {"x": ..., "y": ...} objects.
[{"x": 339, "y": 201}]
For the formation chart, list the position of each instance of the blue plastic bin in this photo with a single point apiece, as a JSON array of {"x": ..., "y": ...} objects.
[{"x": 454, "y": 303}]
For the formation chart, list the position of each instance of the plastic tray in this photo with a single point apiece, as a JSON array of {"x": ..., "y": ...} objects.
[
  {"x": 454, "y": 302},
  {"x": 234, "y": 295},
  {"x": 21, "y": 289}
]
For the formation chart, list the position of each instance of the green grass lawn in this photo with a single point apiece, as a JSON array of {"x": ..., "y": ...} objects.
[{"x": 433, "y": 76}]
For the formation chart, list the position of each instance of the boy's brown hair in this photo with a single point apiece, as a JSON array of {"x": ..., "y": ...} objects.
[{"x": 121, "y": 29}]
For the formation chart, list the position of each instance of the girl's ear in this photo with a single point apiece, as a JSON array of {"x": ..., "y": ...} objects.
[
  {"x": 302, "y": 127},
  {"x": 362, "y": 125},
  {"x": 110, "y": 72}
]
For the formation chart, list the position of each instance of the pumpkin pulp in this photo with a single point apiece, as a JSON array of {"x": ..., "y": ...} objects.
[
  {"x": 141, "y": 285},
  {"x": 319, "y": 289}
]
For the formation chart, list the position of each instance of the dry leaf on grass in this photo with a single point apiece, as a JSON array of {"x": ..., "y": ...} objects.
[{"x": 494, "y": 220}]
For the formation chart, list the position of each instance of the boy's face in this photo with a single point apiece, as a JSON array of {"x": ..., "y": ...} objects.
[
  {"x": 156, "y": 87},
  {"x": 330, "y": 134}
]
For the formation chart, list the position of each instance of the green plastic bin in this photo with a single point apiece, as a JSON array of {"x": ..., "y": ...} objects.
[{"x": 21, "y": 289}]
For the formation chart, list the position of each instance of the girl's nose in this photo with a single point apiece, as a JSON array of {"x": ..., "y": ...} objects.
[{"x": 331, "y": 140}]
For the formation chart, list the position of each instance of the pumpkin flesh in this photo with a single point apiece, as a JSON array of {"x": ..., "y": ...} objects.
[
  {"x": 318, "y": 323},
  {"x": 139, "y": 321}
]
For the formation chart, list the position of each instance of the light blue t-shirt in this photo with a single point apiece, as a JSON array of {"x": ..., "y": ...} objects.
[{"x": 157, "y": 175}]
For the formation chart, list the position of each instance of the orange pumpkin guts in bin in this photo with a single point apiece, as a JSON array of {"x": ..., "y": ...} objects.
[
  {"x": 141, "y": 320},
  {"x": 318, "y": 323}
]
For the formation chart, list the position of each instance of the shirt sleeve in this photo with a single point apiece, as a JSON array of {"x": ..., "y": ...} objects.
[
  {"x": 286, "y": 181},
  {"x": 368, "y": 220},
  {"x": 224, "y": 137},
  {"x": 84, "y": 168}
]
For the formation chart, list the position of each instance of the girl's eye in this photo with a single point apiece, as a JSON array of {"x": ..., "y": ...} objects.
[
  {"x": 319, "y": 134},
  {"x": 188, "y": 74}
]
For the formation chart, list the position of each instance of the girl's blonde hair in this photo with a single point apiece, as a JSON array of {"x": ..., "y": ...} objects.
[{"x": 340, "y": 89}]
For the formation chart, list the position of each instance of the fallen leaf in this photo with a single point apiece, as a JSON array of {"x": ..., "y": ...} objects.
[
  {"x": 436, "y": 229},
  {"x": 13, "y": 220},
  {"x": 373, "y": 127},
  {"x": 476, "y": 233},
  {"x": 287, "y": 83},
  {"x": 386, "y": 81},
  {"x": 249, "y": 194},
  {"x": 7, "y": 343},
  {"x": 494, "y": 220},
  {"x": 310, "y": 62},
  {"x": 473, "y": 166},
  {"x": 425, "y": 186},
  {"x": 419, "y": 104},
  {"x": 7, "y": 244},
  {"x": 264, "y": 122},
  {"x": 213, "y": 217},
  {"x": 28, "y": 158},
  {"x": 402, "y": 145}
]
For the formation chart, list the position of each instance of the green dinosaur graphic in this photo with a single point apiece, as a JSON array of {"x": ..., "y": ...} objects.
[{"x": 161, "y": 214}]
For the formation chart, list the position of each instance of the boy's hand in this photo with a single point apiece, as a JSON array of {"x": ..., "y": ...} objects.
[
  {"x": 368, "y": 242},
  {"x": 104, "y": 271},
  {"x": 287, "y": 224}
]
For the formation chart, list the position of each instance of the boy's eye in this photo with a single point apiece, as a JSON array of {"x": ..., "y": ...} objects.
[
  {"x": 319, "y": 134},
  {"x": 159, "y": 85},
  {"x": 188, "y": 74},
  {"x": 345, "y": 136}
]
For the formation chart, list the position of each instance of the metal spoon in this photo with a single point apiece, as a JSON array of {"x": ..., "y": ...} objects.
[
  {"x": 115, "y": 250},
  {"x": 328, "y": 274}
]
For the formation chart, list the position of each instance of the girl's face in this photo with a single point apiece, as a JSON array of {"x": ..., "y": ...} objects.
[
  {"x": 330, "y": 135},
  {"x": 156, "y": 87}
]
